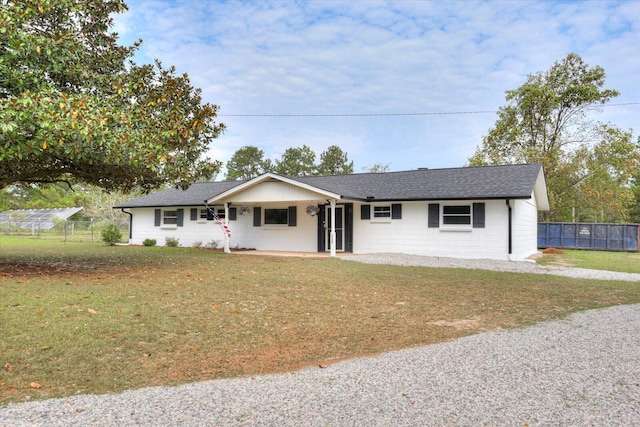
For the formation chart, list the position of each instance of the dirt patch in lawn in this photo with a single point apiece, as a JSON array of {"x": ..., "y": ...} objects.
[
  {"x": 45, "y": 269},
  {"x": 460, "y": 324}
]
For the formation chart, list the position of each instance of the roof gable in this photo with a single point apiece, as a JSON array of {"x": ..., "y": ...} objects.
[{"x": 285, "y": 188}]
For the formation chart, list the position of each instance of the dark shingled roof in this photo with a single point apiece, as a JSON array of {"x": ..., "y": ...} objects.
[
  {"x": 195, "y": 195},
  {"x": 490, "y": 182}
]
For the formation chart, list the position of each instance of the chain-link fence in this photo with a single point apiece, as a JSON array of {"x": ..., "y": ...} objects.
[{"x": 66, "y": 231}]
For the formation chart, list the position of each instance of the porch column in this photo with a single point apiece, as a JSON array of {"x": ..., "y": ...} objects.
[
  {"x": 226, "y": 221},
  {"x": 332, "y": 231}
]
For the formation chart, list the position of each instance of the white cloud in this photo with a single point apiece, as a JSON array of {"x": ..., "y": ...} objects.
[{"x": 379, "y": 57}]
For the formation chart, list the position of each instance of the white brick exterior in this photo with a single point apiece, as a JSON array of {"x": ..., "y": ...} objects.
[
  {"x": 491, "y": 226},
  {"x": 410, "y": 235}
]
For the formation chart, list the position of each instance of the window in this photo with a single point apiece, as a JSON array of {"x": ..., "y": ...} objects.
[
  {"x": 205, "y": 214},
  {"x": 276, "y": 216},
  {"x": 382, "y": 211},
  {"x": 456, "y": 215},
  {"x": 169, "y": 217}
]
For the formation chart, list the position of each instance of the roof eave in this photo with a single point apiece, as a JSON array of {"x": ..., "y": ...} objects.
[{"x": 433, "y": 199}]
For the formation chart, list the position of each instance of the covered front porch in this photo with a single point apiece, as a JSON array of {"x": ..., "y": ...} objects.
[{"x": 281, "y": 215}]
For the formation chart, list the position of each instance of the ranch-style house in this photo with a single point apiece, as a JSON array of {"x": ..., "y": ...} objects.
[{"x": 470, "y": 212}]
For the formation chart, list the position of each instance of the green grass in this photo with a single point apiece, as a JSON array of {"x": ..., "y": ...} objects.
[
  {"x": 626, "y": 262},
  {"x": 89, "y": 318}
]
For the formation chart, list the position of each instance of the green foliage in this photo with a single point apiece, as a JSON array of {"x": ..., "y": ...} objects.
[
  {"x": 297, "y": 162},
  {"x": 97, "y": 203},
  {"x": 246, "y": 163},
  {"x": 587, "y": 165},
  {"x": 213, "y": 244},
  {"x": 249, "y": 162},
  {"x": 333, "y": 161},
  {"x": 111, "y": 234},
  {"x": 172, "y": 242},
  {"x": 75, "y": 107},
  {"x": 149, "y": 242},
  {"x": 376, "y": 168},
  {"x": 634, "y": 210}
]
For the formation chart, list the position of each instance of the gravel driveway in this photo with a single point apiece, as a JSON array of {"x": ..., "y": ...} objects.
[
  {"x": 487, "y": 264},
  {"x": 582, "y": 370}
]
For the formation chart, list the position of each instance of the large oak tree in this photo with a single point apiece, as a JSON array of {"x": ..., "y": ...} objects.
[
  {"x": 75, "y": 107},
  {"x": 589, "y": 166}
]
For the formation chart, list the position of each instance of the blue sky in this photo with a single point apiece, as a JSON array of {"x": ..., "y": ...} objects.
[{"x": 377, "y": 57}]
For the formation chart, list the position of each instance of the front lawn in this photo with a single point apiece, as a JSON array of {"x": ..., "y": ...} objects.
[
  {"x": 88, "y": 318},
  {"x": 626, "y": 262}
]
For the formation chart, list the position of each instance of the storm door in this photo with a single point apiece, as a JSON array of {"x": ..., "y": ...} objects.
[{"x": 339, "y": 228}]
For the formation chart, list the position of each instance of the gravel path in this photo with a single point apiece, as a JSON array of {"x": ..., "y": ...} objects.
[
  {"x": 582, "y": 370},
  {"x": 485, "y": 264}
]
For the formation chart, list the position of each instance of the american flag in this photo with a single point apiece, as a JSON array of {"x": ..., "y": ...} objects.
[{"x": 220, "y": 221}]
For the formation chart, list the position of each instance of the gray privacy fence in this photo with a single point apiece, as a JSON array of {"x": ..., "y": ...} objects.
[
  {"x": 66, "y": 231},
  {"x": 609, "y": 237}
]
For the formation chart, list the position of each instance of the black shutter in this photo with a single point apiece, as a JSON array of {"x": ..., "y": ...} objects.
[
  {"x": 180, "y": 217},
  {"x": 158, "y": 218},
  {"x": 194, "y": 214},
  {"x": 293, "y": 218},
  {"x": 434, "y": 215},
  {"x": 257, "y": 216},
  {"x": 348, "y": 227},
  {"x": 365, "y": 211},
  {"x": 478, "y": 215},
  {"x": 321, "y": 229},
  {"x": 396, "y": 211},
  {"x": 233, "y": 214}
]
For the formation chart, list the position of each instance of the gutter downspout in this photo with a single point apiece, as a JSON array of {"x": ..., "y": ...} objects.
[
  {"x": 130, "y": 223},
  {"x": 510, "y": 228}
]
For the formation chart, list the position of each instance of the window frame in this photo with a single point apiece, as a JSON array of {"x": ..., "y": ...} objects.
[
  {"x": 453, "y": 215},
  {"x": 276, "y": 224},
  {"x": 173, "y": 219},
  {"x": 381, "y": 213},
  {"x": 204, "y": 215}
]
